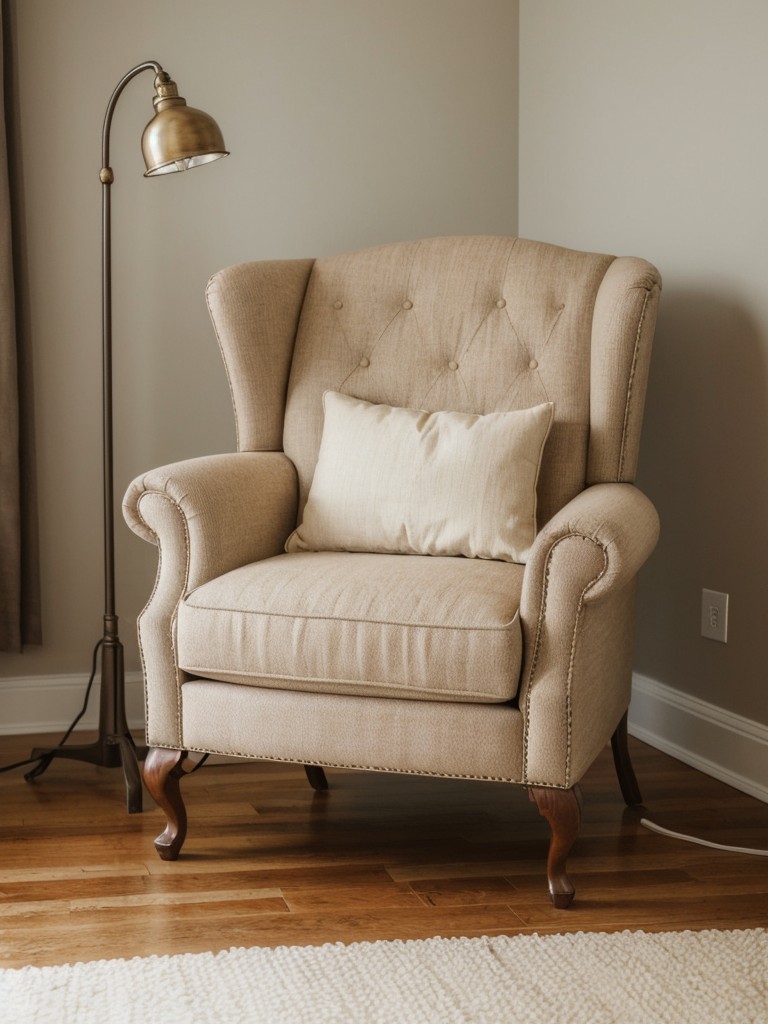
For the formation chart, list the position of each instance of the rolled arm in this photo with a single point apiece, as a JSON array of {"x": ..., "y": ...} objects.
[
  {"x": 229, "y": 509},
  {"x": 577, "y": 614},
  {"x": 207, "y": 516},
  {"x": 618, "y": 519}
]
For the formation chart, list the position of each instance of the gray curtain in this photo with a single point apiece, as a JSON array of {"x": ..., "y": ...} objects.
[{"x": 19, "y": 568}]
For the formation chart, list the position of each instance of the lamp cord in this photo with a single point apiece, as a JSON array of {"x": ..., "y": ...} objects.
[
  {"x": 701, "y": 842},
  {"x": 70, "y": 730}
]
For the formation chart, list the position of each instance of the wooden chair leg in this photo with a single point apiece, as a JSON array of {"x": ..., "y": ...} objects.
[
  {"x": 630, "y": 790},
  {"x": 316, "y": 777},
  {"x": 163, "y": 770},
  {"x": 562, "y": 809}
]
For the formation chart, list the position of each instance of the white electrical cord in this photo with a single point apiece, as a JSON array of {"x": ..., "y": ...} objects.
[{"x": 701, "y": 842}]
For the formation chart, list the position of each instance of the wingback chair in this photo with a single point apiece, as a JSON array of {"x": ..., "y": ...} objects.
[{"x": 423, "y": 556}]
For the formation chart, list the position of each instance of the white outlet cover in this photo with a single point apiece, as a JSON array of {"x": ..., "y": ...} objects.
[{"x": 714, "y": 615}]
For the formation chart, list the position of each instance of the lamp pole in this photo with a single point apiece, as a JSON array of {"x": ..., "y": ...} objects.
[{"x": 177, "y": 138}]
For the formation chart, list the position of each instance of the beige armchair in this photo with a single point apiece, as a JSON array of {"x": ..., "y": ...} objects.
[{"x": 458, "y": 600}]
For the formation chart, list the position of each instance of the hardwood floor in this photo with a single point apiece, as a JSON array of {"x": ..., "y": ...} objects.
[{"x": 270, "y": 862}]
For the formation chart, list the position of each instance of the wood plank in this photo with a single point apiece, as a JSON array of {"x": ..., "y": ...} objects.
[{"x": 268, "y": 861}]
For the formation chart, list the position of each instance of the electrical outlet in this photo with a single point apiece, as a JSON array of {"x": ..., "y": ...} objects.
[{"x": 714, "y": 615}]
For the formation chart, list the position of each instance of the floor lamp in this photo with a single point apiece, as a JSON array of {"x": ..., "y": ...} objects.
[{"x": 177, "y": 138}]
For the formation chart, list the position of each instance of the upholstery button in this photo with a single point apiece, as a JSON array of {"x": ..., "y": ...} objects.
[
  {"x": 407, "y": 304},
  {"x": 338, "y": 304},
  {"x": 364, "y": 362},
  {"x": 453, "y": 365},
  {"x": 501, "y": 303},
  {"x": 533, "y": 364}
]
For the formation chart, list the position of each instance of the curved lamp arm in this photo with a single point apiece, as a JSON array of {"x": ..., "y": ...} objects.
[{"x": 147, "y": 65}]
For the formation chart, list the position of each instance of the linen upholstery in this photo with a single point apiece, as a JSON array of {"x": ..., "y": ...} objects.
[
  {"x": 255, "y": 308},
  {"x": 524, "y": 323},
  {"x": 577, "y": 613},
  {"x": 370, "y": 624},
  {"x": 405, "y": 481},
  {"x": 470, "y": 741},
  {"x": 207, "y": 516},
  {"x": 515, "y": 317}
]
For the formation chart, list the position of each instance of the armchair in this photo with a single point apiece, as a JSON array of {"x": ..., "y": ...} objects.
[{"x": 422, "y": 651}]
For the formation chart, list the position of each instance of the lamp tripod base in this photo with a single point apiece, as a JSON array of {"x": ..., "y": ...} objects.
[{"x": 114, "y": 746}]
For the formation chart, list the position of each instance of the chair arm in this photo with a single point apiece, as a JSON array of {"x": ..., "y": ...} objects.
[
  {"x": 207, "y": 516},
  {"x": 577, "y": 614},
  {"x": 622, "y": 524},
  {"x": 229, "y": 510}
]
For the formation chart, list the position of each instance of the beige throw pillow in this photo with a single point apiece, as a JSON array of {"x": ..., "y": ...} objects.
[{"x": 442, "y": 483}]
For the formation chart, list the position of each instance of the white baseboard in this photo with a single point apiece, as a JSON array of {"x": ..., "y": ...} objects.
[
  {"x": 33, "y": 704},
  {"x": 717, "y": 742}
]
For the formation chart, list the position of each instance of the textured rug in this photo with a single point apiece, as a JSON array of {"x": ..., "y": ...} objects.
[{"x": 586, "y": 978}]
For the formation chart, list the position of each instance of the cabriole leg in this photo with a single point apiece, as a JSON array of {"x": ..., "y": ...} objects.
[
  {"x": 623, "y": 762},
  {"x": 163, "y": 770},
  {"x": 316, "y": 777},
  {"x": 562, "y": 809}
]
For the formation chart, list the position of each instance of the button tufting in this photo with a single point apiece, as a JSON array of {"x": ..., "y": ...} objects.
[
  {"x": 338, "y": 304},
  {"x": 533, "y": 364},
  {"x": 453, "y": 365},
  {"x": 501, "y": 303},
  {"x": 364, "y": 362},
  {"x": 407, "y": 304}
]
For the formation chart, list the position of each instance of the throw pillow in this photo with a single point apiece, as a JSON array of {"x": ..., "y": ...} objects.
[{"x": 443, "y": 483}]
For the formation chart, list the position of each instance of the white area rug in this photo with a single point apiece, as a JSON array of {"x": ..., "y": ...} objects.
[{"x": 627, "y": 977}]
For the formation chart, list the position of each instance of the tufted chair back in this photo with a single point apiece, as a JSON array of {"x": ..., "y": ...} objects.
[{"x": 471, "y": 324}]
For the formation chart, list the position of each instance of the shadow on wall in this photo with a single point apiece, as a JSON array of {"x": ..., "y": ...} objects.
[{"x": 704, "y": 463}]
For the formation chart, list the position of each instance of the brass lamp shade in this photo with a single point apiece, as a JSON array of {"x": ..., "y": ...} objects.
[{"x": 178, "y": 137}]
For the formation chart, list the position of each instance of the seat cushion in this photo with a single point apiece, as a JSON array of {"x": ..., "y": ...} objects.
[{"x": 421, "y": 627}]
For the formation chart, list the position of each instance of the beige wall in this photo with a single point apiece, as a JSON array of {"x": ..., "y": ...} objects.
[
  {"x": 351, "y": 122},
  {"x": 643, "y": 130}
]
